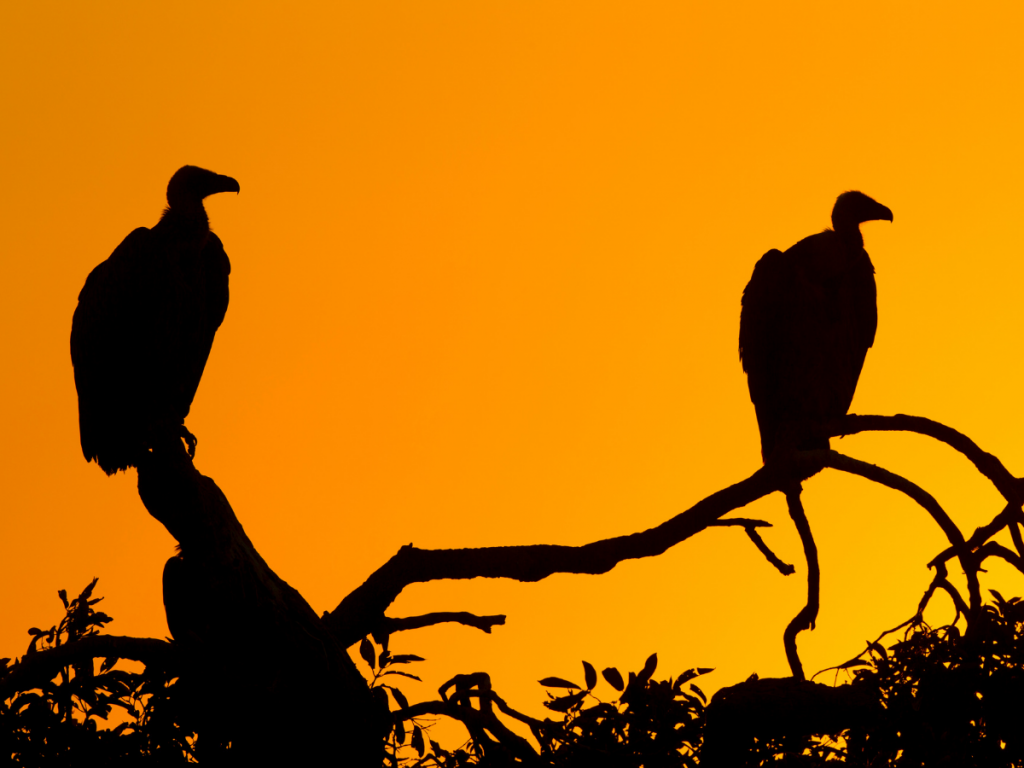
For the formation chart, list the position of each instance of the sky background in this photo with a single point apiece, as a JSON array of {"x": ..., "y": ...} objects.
[{"x": 486, "y": 269}]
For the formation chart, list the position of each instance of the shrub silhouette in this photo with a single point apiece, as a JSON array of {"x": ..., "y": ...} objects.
[{"x": 933, "y": 697}]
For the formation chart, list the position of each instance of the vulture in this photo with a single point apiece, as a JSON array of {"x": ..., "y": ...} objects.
[
  {"x": 807, "y": 320},
  {"x": 144, "y": 326}
]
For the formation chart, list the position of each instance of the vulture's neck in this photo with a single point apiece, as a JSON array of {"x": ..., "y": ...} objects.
[
  {"x": 849, "y": 234},
  {"x": 186, "y": 225}
]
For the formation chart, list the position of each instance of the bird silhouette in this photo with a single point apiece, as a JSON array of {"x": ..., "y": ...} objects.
[
  {"x": 144, "y": 327},
  {"x": 808, "y": 318}
]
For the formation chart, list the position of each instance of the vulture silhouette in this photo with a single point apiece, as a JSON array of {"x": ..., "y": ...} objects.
[
  {"x": 144, "y": 326},
  {"x": 808, "y": 317}
]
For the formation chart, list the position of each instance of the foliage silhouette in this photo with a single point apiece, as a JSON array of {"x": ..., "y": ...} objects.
[
  {"x": 934, "y": 697},
  {"x": 58, "y": 722}
]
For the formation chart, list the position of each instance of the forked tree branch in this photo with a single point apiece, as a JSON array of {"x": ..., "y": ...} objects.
[
  {"x": 926, "y": 500},
  {"x": 361, "y": 612},
  {"x": 987, "y": 464}
]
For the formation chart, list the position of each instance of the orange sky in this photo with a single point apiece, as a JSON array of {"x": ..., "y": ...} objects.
[{"x": 487, "y": 261}]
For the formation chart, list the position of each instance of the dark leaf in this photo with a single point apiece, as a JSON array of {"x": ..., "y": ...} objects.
[
  {"x": 854, "y": 663},
  {"x": 589, "y": 675},
  {"x": 108, "y": 662},
  {"x": 557, "y": 682},
  {"x": 399, "y": 732},
  {"x": 649, "y": 667},
  {"x": 417, "y": 740},
  {"x": 63, "y": 595},
  {"x": 693, "y": 687},
  {"x": 611, "y": 674},
  {"x": 405, "y": 658},
  {"x": 367, "y": 652},
  {"x": 399, "y": 696}
]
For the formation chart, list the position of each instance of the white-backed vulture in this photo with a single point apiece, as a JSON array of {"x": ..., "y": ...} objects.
[
  {"x": 807, "y": 320},
  {"x": 144, "y": 326}
]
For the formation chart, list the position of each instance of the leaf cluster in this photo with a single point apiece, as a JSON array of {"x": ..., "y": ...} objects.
[
  {"x": 59, "y": 722},
  {"x": 946, "y": 698},
  {"x": 651, "y": 723},
  {"x": 398, "y": 740}
]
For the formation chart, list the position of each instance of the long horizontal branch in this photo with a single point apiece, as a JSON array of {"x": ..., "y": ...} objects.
[
  {"x": 361, "y": 611},
  {"x": 36, "y": 669},
  {"x": 391, "y": 625}
]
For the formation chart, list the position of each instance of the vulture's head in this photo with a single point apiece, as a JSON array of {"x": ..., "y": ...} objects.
[
  {"x": 854, "y": 208},
  {"x": 190, "y": 184}
]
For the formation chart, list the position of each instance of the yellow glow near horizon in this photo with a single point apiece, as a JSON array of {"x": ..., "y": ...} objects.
[{"x": 487, "y": 262}]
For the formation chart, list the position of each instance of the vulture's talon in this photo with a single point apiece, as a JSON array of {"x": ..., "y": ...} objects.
[{"x": 190, "y": 440}]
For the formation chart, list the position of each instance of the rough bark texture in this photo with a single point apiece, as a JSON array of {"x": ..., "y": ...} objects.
[{"x": 263, "y": 669}]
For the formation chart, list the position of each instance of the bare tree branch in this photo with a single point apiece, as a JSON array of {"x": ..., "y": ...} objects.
[
  {"x": 982, "y": 534},
  {"x": 995, "y": 549},
  {"x": 750, "y": 527},
  {"x": 990, "y": 466},
  {"x": 391, "y": 625},
  {"x": 926, "y": 500},
  {"x": 783, "y": 567},
  {"x": 1014, "y": 527},
  {"x": 36, "y": 669},
  {"x": 807, "y": 615},
  {"x": 360, "y": 611}
]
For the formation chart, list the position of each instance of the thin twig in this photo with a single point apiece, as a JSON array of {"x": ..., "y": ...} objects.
[
  {"x": 391, "y": 625},
  {"x": 750, "y": 527}
]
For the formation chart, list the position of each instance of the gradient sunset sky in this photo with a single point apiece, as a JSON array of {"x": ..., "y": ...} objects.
[{"x": 487, "y": 261}]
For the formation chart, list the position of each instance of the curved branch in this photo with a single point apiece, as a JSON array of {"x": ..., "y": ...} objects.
[
  {"x": 982, "y": 534},
  {"x": 36, "y": 669},
  {"x": 360, "y": 612},
  {"x": 780, "y": 565},
  {"x": 926, "y": 500},
  {"x": 807, "y": 615},
  {"x": 988, "y": 464},
  {"x": 995, "y": 549}
]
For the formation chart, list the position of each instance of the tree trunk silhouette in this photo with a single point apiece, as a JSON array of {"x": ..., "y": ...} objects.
[{"x": 261, "y": 668}]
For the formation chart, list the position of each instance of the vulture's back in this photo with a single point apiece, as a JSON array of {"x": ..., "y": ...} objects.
[
  {"x": 807, "y": 320},
  {"x": 140, "y": 338}
]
